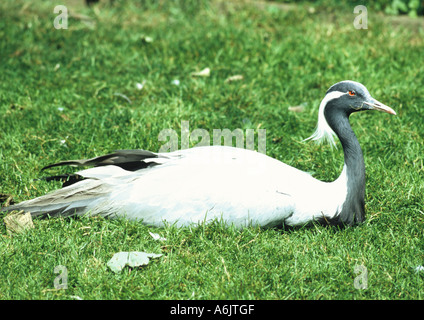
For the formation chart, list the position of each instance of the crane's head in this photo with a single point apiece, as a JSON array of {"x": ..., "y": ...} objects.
[{"x": 342, "y": 99}]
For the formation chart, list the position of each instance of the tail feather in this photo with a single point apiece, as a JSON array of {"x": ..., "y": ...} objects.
[
  {"x": 131, "y": 160},
  {"x": 77, "y": 199},
  {"x": 88, "y": 190}
]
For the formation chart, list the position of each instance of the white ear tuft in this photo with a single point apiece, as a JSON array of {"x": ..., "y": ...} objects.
[{"x": 323, "y": 131}]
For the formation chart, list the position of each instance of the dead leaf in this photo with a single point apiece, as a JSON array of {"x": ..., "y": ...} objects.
[
  {"x": 157, "y": 236},
  {"x": 236, "y": 77},
  {"x": 297, "y": 109},
  {"x": 65, "y": 117},
  {"x": 204, "y": 73},
  {"x": 18, "y": 221},
  {"x": 132, "y": 259}
]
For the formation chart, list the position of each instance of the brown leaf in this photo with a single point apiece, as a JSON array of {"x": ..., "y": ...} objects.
[
  {"x": 299, "y": 108},
  {"x": 236, "y": 77},
  {"x": 18, "y": 221}
]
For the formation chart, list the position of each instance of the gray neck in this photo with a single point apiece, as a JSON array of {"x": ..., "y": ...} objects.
[{"x": 353, "y": 210}]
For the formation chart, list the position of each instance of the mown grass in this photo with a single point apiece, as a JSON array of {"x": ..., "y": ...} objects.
[{"x": 61, "y": 98}]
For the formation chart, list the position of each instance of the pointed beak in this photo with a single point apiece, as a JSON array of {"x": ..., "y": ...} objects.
[{"x": 377, "y": 105}]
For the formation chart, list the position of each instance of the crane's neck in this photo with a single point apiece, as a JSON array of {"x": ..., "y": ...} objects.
[{"x": 353, "y": 209}]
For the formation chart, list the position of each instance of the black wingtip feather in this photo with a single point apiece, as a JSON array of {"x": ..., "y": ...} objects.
[{"x": 130, "y": 160}]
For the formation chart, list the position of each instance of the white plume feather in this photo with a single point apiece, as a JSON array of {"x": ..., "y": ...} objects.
[{"x": 323, "y": 131}]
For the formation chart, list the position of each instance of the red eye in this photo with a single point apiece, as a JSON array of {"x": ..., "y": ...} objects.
[{"x": 351, "y": 93}]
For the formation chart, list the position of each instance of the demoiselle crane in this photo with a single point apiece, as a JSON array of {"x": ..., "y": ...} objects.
[{"x": 238, "y": 186}]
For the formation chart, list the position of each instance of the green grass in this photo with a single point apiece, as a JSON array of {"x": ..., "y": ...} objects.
[{"x": 58, "y": 100}]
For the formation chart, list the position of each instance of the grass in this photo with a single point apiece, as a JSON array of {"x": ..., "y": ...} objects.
[{"x": 62, "y": 96}]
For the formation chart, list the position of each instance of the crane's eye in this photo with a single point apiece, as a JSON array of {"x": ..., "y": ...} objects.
[{"x": 351, "y": 93}]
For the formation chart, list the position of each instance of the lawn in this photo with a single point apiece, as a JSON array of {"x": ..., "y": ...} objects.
[{"x": 123, "y": 72}]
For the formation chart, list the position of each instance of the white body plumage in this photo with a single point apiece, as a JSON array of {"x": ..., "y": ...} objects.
[{"x": 238, "y": 186}]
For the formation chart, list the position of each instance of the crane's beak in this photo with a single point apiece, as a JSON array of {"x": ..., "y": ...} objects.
[{"x": 377, "y": 105}]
